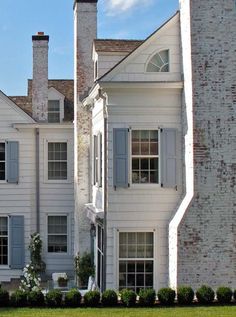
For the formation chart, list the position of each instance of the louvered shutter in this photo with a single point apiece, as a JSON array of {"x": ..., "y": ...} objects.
[
  {"x": 12, "y": 162},
  {"x": 17, "y": 249},
  {"x": 120, "y": 158},
  {"x": 168, "y": 158}
]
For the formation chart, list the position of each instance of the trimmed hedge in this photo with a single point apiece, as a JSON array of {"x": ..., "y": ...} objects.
[
  {"x": 92, "y": 299},
  {"x": 128, "y": 297},
  {"x": 205, "y": 294},
  {"x": 147, "y": 297},
  {"x": 166, "y": 296},
  {"x": 185, "y": 295},
  {"x": 54, "y": 298},
  {"x": 73, "y": 298},
  {"x": 4, "y": 298},
  {"x": 224, "y": 295},
  {"x": 109, "y": 298},
  {"x": 36, "y": 299},
  {"x": 19, "y": 298}
]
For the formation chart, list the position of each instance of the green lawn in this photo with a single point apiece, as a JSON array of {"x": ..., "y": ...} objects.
[{"x": 221, "y": 311}]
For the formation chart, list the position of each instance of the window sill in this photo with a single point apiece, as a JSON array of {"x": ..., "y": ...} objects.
[
  {"x": 59, "y": 254},
  {"x": 5, "y": 267},
  {"x": 145, "y": 186},
  {"x": 59, "y": 181}
]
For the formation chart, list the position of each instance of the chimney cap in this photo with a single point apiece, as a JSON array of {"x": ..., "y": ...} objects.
[
  {"x": 84, "y": 1},
  {"x": 40, "y": 37}
]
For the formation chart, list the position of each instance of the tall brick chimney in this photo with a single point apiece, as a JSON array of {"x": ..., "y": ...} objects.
[
  {"x": 40, "y": 77},
  {"x": 85, "y": 31},
  {"x": 206, "y": 232}
]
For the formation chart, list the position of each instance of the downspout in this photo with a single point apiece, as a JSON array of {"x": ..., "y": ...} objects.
[
  {"x": 37, "y": 185},
  {"x": 103, "y": 97}
]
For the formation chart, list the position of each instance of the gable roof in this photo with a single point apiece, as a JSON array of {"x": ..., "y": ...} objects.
[
  {"x": 18, "y": 109},
  {"x": 63, "y": 86},
  {"x": 137, "y": 49},
  {"x": 109, "y": 45}
]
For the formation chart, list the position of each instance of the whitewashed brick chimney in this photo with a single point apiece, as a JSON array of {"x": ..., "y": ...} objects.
[
  {"x": 204, "y": 243},
  {"x": 85, "y": 31},
  {"x": 40, "y": 77}
]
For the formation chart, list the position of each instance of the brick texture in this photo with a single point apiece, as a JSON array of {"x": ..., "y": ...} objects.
[{"x": 207, "y": 233}]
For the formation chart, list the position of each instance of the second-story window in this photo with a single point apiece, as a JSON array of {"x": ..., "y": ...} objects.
[
  {"x": 2, "y": 161},
  {"x": 53, "y": 111},
  {"x": 57, "y": 160},
  {"x": 145, "y": 156}
]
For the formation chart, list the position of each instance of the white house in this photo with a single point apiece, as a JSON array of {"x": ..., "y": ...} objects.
[
  {"x": 36, "y": 170},
  {"x": 162, "y": 191}
]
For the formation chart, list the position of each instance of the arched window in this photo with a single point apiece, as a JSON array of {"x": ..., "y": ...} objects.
[{"x": 159, "y": 62}]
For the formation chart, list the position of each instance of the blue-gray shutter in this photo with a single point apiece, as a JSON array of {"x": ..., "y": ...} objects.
[
  {"x": 12, "y": 162},
  {"x": 168, "y": 158},
  {"x": 17, "y": 248},
  {"x": 120, "y": 158}
]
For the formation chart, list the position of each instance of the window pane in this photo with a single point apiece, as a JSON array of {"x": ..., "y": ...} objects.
[
  {"x": 144, "y": 177},
  {"x": 3, "y": 241},
  {"x": 135, "y": 164},
  {"x": 153, "y": 135},
  {"x": 132, "y": 238},
  {"x": 135, "y": 148},
  {"x": 135, "y": 135},
  {"x": 53, "y": 105},
  {"x": 144, "y": 148},
  {"x": 53, "y": 117},
  {"x": 123, "y": 238},
  {"x": 2, "y": 171},
  {"x": 154, "y": 177},
  {"x": 144, "y": 164},
  {"x": 135, "y": 177},
  {"x": 144, "y": 135},
  {"x": 57, "y": 234}
]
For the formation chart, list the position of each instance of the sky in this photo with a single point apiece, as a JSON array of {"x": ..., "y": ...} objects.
[{"x": 19, "y": 20}]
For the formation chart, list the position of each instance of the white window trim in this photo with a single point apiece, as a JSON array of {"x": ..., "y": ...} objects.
[
  {"x": 69, "y": 161},
  {"x": 144, "y": 185},
  {"x": 156, "y": 254},
  {"x": 2, "y": 267},
  {"x": 60, "y": 254}
]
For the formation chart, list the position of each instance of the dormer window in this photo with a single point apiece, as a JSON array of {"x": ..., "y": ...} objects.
[
  {"x": 53, "y": 111},
  {"x": 56, "y": 106},
  {"x": 159, "y": 63}
]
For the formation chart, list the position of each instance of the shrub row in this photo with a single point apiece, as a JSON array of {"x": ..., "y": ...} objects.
[{"x": 166, "y": 296}]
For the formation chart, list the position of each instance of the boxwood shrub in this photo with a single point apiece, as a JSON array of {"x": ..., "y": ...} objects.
[
  {"x": 185, "y": 295},
  {"x": 234, "y": 294},
  {"x": 4, "y": 298},
  {"x": 92, "y": 299},
  {"x": 54, "y": 298},
  {"x": 166, "y": 296},
  {"x": 205, "y": 294},
  {"x": 128, "y": 297},
  {"x": 73, "y": 298},
  {"x": 35, "y": 299},
  {"x": 18, "y": 298},
  {"x": 109, "y": 298},
  {"x": 224, "y": 295},
  {"x": 147, "y": 297}
]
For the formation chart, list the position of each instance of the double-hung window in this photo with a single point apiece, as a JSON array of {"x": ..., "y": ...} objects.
[
  {"x": 53, "y": 111},
  {"x": 145, "y": 156},
  {"x": 57, "y": 160},
  {"x": 97, "y": 152},
  {"x": 136, "y": 260},
  {"x": 3, "y": 240},
  {"x": 57, "y": 234},
  {"x": 2, "y": 161}
]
